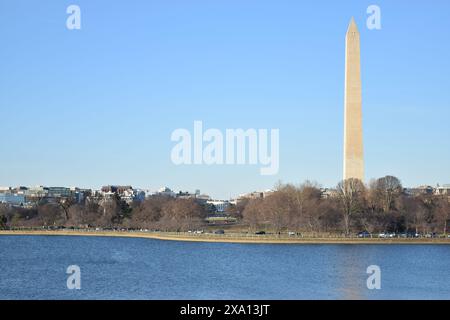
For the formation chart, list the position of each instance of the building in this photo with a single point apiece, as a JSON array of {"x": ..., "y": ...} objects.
[
  {"x": 12, "y": 199},
  {"x": 252, "y": 196},
  {"x": 126, "y": 193},
  {"x": 165, "y": 191},
  {"x": 417, "y": 191},
  {"x": 256, "y": 194},
  {"x": 59, "y": 192},
  {"x": 20, "y": 190},
  {"x": 139, "y": 195},
  {"x": 37, "y": 192},
  {"x": 442, "y": 190},
  {"x": 116, "y": 189},
  {"x": 185, "y": 195},
  {"x": 353, "y": 132},
  {"x": 220, "y": 205},
  {"x": 327, "y": 193},
  {"x": 80, "y": 195},
  {"x": 202, "y": 199}
]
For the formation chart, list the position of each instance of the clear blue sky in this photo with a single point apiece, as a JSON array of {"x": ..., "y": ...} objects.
[{"x": 98, "y": 105}]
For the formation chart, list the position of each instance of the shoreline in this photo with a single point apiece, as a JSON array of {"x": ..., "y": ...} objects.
[{"x": 212, "y": 238}]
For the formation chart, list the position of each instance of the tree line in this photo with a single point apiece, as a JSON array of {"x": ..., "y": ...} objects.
[
  {"x": 156, "y": 213},
  {"x": 381, "y": 206}
]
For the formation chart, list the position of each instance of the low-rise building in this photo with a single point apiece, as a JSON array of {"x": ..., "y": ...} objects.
[
  {"x": 442, "y": 190},
  {"x": 327, "y": 193},
  {"x": 417, "y": 191},
  {"x": 116, "y": 189},
  {"x": 58, "y": 192},
  {"x": 164, "y": 191},
  {"x": 252, "y": 196},
  {"x": 12, "y": 199},
  {"x": 139, "y": 195},
  {"x": 202, "y": 198},
  {"x": 185, "y": 195},
  {"x": 220, "y": 205},
  {"x": 34, "y": 194}
]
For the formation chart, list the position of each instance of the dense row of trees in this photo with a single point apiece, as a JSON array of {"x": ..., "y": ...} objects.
[
  {"x": 380, "y": 206},
  {"x": 157, "y": 213}
]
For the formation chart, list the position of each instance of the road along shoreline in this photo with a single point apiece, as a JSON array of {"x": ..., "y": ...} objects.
[{"x": 228, "y": 238}]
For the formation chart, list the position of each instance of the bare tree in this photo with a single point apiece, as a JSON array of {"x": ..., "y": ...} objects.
[
  {"x": 442, "y": 212},
  {"x": 253, "y": 213},
  {"x": 385, "y": 191},
  {"x": 51, "y": 214},
  {"x": 277, "y": 210},
  {"x": 351, "y": 194},
  {"x": 148, "y": 213},
  {"x": 182, "y": 215}
]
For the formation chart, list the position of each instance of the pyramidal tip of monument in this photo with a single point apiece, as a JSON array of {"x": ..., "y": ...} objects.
[{"x": 352, "y": 27}]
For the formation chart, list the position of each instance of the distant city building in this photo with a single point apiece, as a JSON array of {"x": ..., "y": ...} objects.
[
  {"x": 36, "y": 192},
  {"x": 80, "y": 195},
  {"x": 202, "y": 198},
  {"x": 252, "y": 196},
  {"x": 421, "y": 190},
  {"x": 116, "y": 189},
  {"x": 185, "y": 195},
  {"x": 126, "y": 193},
  {"x": 328, "y": 193},
  {"x": 12, "y": 199},
  {"x": 256, "y": 194},
  {"x": 20, "y": 190},
  {"x": 443, "y": 190},
  {"x": 220, "y": 205},
  {"x": 165, "y": 191},
  {"x": 139, "y": 195},
  {"x": 58, "y": 192}
]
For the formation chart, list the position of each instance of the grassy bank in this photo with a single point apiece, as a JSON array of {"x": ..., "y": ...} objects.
[{"x": 229, "y": 238}]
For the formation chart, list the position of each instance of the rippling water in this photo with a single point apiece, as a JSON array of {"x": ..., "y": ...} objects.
[{"x": 34, "y": 267}]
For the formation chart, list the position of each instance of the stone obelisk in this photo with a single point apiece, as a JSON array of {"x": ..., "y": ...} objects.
[{"x": 353, "y": 135}]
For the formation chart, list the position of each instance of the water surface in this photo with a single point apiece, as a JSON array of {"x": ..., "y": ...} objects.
[{"x": 34, "y": 267}]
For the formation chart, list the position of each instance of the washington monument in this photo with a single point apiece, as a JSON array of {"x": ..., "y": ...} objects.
[{"x": 353, "y": 135}]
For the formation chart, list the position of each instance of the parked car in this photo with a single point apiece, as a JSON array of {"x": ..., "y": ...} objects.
[
  {"x": 260, "y": 232},
  {"x": 364, "y": 234},
  {"x": 219, "y": 232},
  {"x": 291, "y": 233},
  {"x": 412, "y": 235}
]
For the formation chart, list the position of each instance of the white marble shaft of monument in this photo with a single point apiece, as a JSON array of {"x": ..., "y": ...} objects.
[{"x": 353, "y": 134}]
